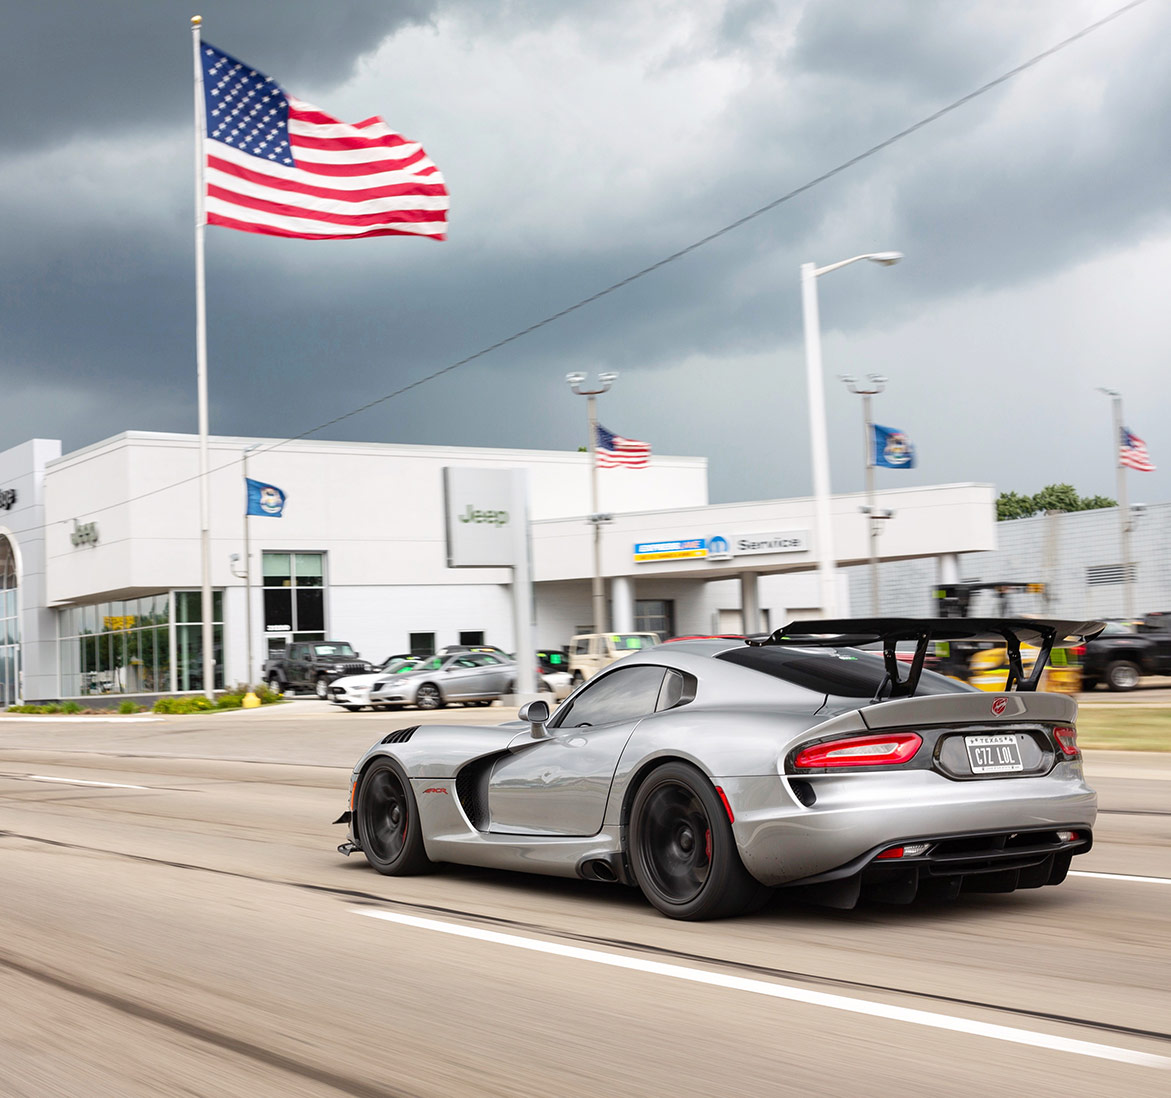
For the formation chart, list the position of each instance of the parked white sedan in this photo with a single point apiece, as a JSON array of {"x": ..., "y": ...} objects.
[{"x": 352, "y": 692}]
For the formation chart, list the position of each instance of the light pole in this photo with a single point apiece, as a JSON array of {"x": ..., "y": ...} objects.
[
  {"x": 818, "y": 442},
  {"x": 1124, "y": 524},
  {"x": 576, "y": 381},
  {"x": 874, "y": 384}
]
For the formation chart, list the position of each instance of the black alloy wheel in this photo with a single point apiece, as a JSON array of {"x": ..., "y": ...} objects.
[
  {"x": 386, "y": 821},
  {"x": 429, "y": 697},
  {"x": 682, "y": 849}
]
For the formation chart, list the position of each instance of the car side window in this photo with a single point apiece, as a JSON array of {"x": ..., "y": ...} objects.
[
  {"x": 466, "y": 661},
  {"x": 582, "y": 647},
  {"x": 622, "y": 695}
]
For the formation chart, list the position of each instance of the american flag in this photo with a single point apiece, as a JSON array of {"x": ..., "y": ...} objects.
[
  {"x": 279, "y": 166},
  {"x": 615, "y": 450},
  {"x": 1133, "y": 453}
]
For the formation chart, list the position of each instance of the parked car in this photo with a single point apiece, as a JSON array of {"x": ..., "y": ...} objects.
[
  {"x": 709, "y": 771},
  {"x": 553, "y": 672},
  {"x": 352, "y": 692},
  {"x": 590, "y": 652},
  {"x": 475, "y": 678},
  {"x": 313, "y": 665},
  {"x": 1119, "y": 657}
]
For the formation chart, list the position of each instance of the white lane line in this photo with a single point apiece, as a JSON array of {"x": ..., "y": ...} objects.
[
  {"x": 72, "y": 781},
  {"x": 1120, "y": 877},
  {"x": 783, "y": 991}
]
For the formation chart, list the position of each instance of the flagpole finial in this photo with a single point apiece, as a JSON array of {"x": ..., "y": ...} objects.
[{"x": 196, "y": 20}]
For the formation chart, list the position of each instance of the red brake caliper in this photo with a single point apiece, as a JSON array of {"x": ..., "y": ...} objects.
[{"x": 707, "y": 844}]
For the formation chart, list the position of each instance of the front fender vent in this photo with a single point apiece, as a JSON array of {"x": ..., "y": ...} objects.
[
  {"x": 400, "y": 735},
  {"x": 471, "y": 787}
]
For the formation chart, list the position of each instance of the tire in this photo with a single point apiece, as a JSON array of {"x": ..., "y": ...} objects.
[
  {"x": 321, "y": 688},
  {"x": 352, "y": 708},
  {"x": 274, "y": 684},
  {"x": 429, "y": 697},
  {"x": 1122, "y": 675},
  {"x": 578, "y": 679},
  {"x": 387, "y": 821},
  {"x": 682, "y": 849}
]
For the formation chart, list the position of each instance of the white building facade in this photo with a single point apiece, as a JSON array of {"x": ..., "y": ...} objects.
[{"x": 100, "y": 552}]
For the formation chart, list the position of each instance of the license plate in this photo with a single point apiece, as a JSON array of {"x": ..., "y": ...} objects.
[{"x": 994, "y": 754}]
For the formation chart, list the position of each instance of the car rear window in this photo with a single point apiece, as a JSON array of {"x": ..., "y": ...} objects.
[{"x": 845, "y": 673}]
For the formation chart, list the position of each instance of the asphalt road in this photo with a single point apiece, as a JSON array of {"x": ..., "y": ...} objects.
[{"x": 184, "y": 926}]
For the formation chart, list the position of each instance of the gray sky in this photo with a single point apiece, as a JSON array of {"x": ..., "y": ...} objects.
[{"x": 582, "y": 141}]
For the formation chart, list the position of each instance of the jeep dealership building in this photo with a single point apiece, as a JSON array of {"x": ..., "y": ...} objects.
[{"x": 100, "y": 555}]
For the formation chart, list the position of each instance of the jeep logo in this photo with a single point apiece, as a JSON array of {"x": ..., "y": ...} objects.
[
  {"x": 84, "y": 533},
  {"x": 494, "y": 518}
]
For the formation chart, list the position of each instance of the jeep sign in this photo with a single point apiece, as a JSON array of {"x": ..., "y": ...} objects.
[{"x": 484, "y": 520}]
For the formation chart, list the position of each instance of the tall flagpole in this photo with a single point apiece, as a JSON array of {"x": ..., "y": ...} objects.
[{"x": 201, "y": 375}]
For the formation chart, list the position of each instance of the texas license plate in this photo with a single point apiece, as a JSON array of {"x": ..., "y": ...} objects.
[{"x": 994, "y": 754}]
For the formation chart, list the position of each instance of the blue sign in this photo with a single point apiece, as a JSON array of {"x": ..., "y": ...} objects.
[
  {"x": 670, "y": 550},
  {"x": 892, "y": 448}
]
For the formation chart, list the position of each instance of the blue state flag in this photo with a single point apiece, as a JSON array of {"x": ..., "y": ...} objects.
[
  {"x": 892, "y": 448},
  {"x": 264, "y": 499}
]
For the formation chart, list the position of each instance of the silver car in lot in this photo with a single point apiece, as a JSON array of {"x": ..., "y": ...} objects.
[
  {"x": 709, "y": 771},
  {"x": 352, "y": 692},
  {"x": 474, "y": 678}
]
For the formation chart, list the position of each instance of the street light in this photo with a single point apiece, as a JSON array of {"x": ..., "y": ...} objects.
[
  {"x": 818, "y": 442},
  {"x": 1124, "y": 521},
  {"x": 576, "y": 383},
  {"x": 874, "y": 384}
]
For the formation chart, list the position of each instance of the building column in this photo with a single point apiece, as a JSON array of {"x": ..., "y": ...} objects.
[
  {"x": 947, "y": 568},
  {"x": 622, "y": 603},
  {"x": 749, "y": 602}
]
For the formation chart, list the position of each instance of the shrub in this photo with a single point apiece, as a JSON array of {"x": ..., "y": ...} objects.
[
  {"x": 129, "y": 707},
  {"x": 71, "y": 707},
  {"x": 194, "y": 703}
]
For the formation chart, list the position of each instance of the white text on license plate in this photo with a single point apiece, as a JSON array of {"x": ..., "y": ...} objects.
[{"x": 993, "y": 754}]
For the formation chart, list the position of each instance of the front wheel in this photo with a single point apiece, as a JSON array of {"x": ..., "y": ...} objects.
[
  {"x": 321, "y": 688},
  {"x": 1122, "y": 675},
  {"x": 429, "y": 697},
  {"x": 387, "y": 821},
  {"x": 274, "y": 684},
  {"x": 682, "y": 849}
]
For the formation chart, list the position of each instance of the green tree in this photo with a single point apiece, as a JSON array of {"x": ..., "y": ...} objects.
[{"x": 1053, "y": 497}]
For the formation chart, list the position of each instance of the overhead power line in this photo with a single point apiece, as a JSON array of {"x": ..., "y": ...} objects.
[{"x": 796, "y": 192}]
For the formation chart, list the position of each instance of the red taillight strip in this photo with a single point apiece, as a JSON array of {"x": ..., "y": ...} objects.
[
  {"x": 891, "y": 749},
  {"x": 1066, "y": 738}
]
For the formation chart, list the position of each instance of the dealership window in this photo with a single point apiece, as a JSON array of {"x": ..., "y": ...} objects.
[
  {"x": 119, "y": 647},
  {"x": 471, "y": 636},
  {"x": 9, "y": 626},
  {"x": 189, "y": 639},
  {"x": 655, "y": 616},
  {"x": 422, "y": 644},
  {"x": 294, "y": 596}
]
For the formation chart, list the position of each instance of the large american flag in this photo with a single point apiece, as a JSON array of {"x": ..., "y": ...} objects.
[
  {"x": 615, "y": 450},
  {"x": 279, "y": 166},
  {"x": 1133, "y": 453}
]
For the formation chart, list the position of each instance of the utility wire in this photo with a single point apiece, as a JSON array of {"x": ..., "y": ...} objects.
[{"x": 844, "y": 166}]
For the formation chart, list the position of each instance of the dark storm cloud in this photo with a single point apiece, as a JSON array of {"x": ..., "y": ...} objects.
[
  {"x": 96, "y": 285},
  {"x": 74, "y": 68}
]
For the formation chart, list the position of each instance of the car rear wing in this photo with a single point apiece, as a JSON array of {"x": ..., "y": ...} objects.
[{"x": 1044, "y": 634}]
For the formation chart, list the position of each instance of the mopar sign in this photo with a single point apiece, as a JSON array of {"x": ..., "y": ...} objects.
[{"x": 686, "y": 549}]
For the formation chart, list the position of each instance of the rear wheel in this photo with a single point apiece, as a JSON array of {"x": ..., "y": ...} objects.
[
  {"x": 388, "y": 822},
  {"x": 429, "y": 697},
  {"x": 682, "y": 849},
  {"x": 1122, "y": 675}
]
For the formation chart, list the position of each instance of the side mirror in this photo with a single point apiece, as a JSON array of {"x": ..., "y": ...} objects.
[{"x": 536, "y": 713}]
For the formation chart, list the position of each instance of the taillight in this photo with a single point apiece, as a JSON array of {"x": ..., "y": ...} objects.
[
  {"x": 1067, "y": 741},
  {"x": 888, "y": 750},
  {"x": 1079, "y": 651},
  {"x": 907, "y": 850}
]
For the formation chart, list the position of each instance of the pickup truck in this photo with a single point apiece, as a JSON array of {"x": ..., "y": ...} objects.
[
  {"x": 313, "y": 665},
  {"x": 1119, "y": 657}
]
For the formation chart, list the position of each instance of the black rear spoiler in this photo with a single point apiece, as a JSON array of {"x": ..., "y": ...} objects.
[{"x": 1042, "y": 633}]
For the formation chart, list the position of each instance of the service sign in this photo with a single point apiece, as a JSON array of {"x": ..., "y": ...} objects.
[
  {"x": 686, "y": 549},
  {"x": 787, "y": 541},
  {"x": 482, "y": 517}
]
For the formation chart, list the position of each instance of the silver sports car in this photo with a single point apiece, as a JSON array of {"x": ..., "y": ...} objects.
[{"x": 707, "y": 772}]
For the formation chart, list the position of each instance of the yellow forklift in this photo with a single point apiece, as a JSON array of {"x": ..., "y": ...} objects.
[{"x": 984, "y": 665}]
